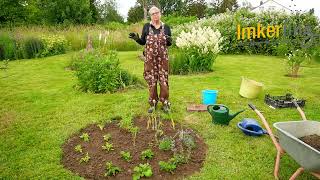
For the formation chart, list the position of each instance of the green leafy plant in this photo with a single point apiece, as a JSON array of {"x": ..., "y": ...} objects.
[
  {"x": 126, "y": 155},
  {"x": 185, "y": 136},
  {"x": 294, "y": 61},
  {"x": 166, "y": 144},
  {"x": 7, "y": 46},
  {"x": 78, "y": 148},
  {"x": 173, "y": 162},
  {"x": 85, "y": 137},
  {"x": 111, "y": 169},
  {"x": 143, "y": 170},
  {"x": 107, "y": 137},
  {"x": 179, "y": 159},
  {"x": 108, "y": 146},
  {"x": 101, "y": 73},
  {"x": 53, "y": 45},
  {"x": 167, "y": 166},
  {"x": 33, "y": 47},
  {"x": 147, "y": 154},
  {"x": 85, "y": 159}
]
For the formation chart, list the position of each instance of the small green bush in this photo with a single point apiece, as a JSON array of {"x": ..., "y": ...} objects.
[
  {"x": 316, "y": 54},
  {"x": 167, "y": 166},
  {"x": 100, "y": 73},
  {"x": 33, "y": 47},
  {"x": 143, "y": 170},
  {"x": 111, "y": 169},
  {"x": 191, "y": 61},
  {"x": 115, "y": 26},
  {"x": 147, "y": 154},
  {"x": 7, "y": 46},
  {"x": 179, "y": 63},
  {"x": 126, "y": 155},
  {"x": 166, "y": 144},
  {"x": 53, "y": 45}
]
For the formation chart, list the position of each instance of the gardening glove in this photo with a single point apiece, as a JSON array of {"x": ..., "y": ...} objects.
[
  {"x": 169, "y": 39},
  {"x": 134, "y": 36}
]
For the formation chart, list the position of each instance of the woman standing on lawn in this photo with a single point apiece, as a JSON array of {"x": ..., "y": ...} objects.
[{"x": 156, "y": 36}]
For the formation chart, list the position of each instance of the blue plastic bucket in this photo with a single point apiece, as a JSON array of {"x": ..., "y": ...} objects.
[{"x": 209, "y": 97}]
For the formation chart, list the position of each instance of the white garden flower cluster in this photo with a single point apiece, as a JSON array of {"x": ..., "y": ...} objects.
[{"x": 205, "y": 40}]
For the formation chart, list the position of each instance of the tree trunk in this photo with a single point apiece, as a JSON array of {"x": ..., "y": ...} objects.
[
  {"x": 145, "y": 12},
  {"x": 295, "y": 70}
]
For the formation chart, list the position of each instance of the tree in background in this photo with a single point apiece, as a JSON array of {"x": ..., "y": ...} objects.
[
  {"x": 196, "y": 8},
  {"x": 169, "y": 7},
  {"x": 135, "y": 14},
  {"x": 16, "y": 12},
  {"x": 67, "y": 12},
  {"x": 94, "y": 4},
  {"x": 12, "y": 11},
  {"x": 221, "y": 6},
  {"x": 144, "y": 5},
  {"x": 108, "y": 12}
]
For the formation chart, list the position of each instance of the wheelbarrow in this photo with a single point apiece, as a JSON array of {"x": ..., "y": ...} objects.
[{"x": 288, "y": 135}]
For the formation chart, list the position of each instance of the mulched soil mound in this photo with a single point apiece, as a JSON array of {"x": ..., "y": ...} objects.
[
  {"x": 312, "y": 140},
  {"x": 122, "y": 141}
]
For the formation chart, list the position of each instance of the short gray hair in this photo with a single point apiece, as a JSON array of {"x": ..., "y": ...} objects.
[{"x": 152, "y": 9}]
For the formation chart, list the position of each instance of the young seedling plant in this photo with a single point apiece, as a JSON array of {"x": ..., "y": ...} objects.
[
  {"x": 167, "y": 166},
  {"x": 85, "y": 137},
  {"x": 166, "y": 144},
  {"x": 173, "y": 162},
  {"x": 107, "y": 137},
  {"x": 111, "y": 169},
  {"x": 126, "y": 155},
  {"x": 78, "y": 148},
  {"x": 143, "y": 170},
  {"x": 147, "y": 154},
  {"x": 85, "y": 159},
  {"x": 101, "y": 126},
  {"x": 108, "y": 147}
]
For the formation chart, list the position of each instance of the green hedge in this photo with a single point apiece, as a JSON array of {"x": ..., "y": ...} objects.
[{"x": 227, "y": 23}]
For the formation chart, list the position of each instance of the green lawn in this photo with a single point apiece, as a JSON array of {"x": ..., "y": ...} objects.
[{"x": 40, "y": 109}]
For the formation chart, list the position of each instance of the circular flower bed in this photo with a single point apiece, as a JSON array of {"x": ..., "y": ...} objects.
[{"x": 145, "y": 148}]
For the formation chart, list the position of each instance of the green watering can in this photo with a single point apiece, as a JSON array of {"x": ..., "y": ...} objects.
[{"x": 220, "y": 114}]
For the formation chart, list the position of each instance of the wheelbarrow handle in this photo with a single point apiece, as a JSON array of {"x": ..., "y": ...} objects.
[
  {"x": 252, "y": 106},
  {"x": 266, "y": 124},
  {"x": 300, "y": 110}
]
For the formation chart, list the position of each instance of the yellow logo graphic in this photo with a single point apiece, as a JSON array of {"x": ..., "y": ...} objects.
[{"x": 258, "y": 32}]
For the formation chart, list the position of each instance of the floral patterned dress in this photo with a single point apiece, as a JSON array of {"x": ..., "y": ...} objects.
[{"x": 156, "y": 66}]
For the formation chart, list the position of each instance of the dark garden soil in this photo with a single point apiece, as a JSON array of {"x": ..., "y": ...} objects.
[
  {"x": 122, "y": 140},
  {"x": 312, "y": 140}
]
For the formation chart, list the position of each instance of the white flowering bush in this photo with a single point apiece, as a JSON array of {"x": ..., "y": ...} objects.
[
  {"x": 204, "y": 40},
  {"x": 294, "y": 61},
  {"x": 199, "y": 47}
]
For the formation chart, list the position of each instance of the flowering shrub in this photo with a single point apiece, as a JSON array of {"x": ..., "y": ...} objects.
[
  {"x": 199, "y": 47},
  {"x": 294, "y": 61},
  {"x": 227, "y": 23},
  {"x": 53, "y": 45},
  {"x": 205, "y": 40}
]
